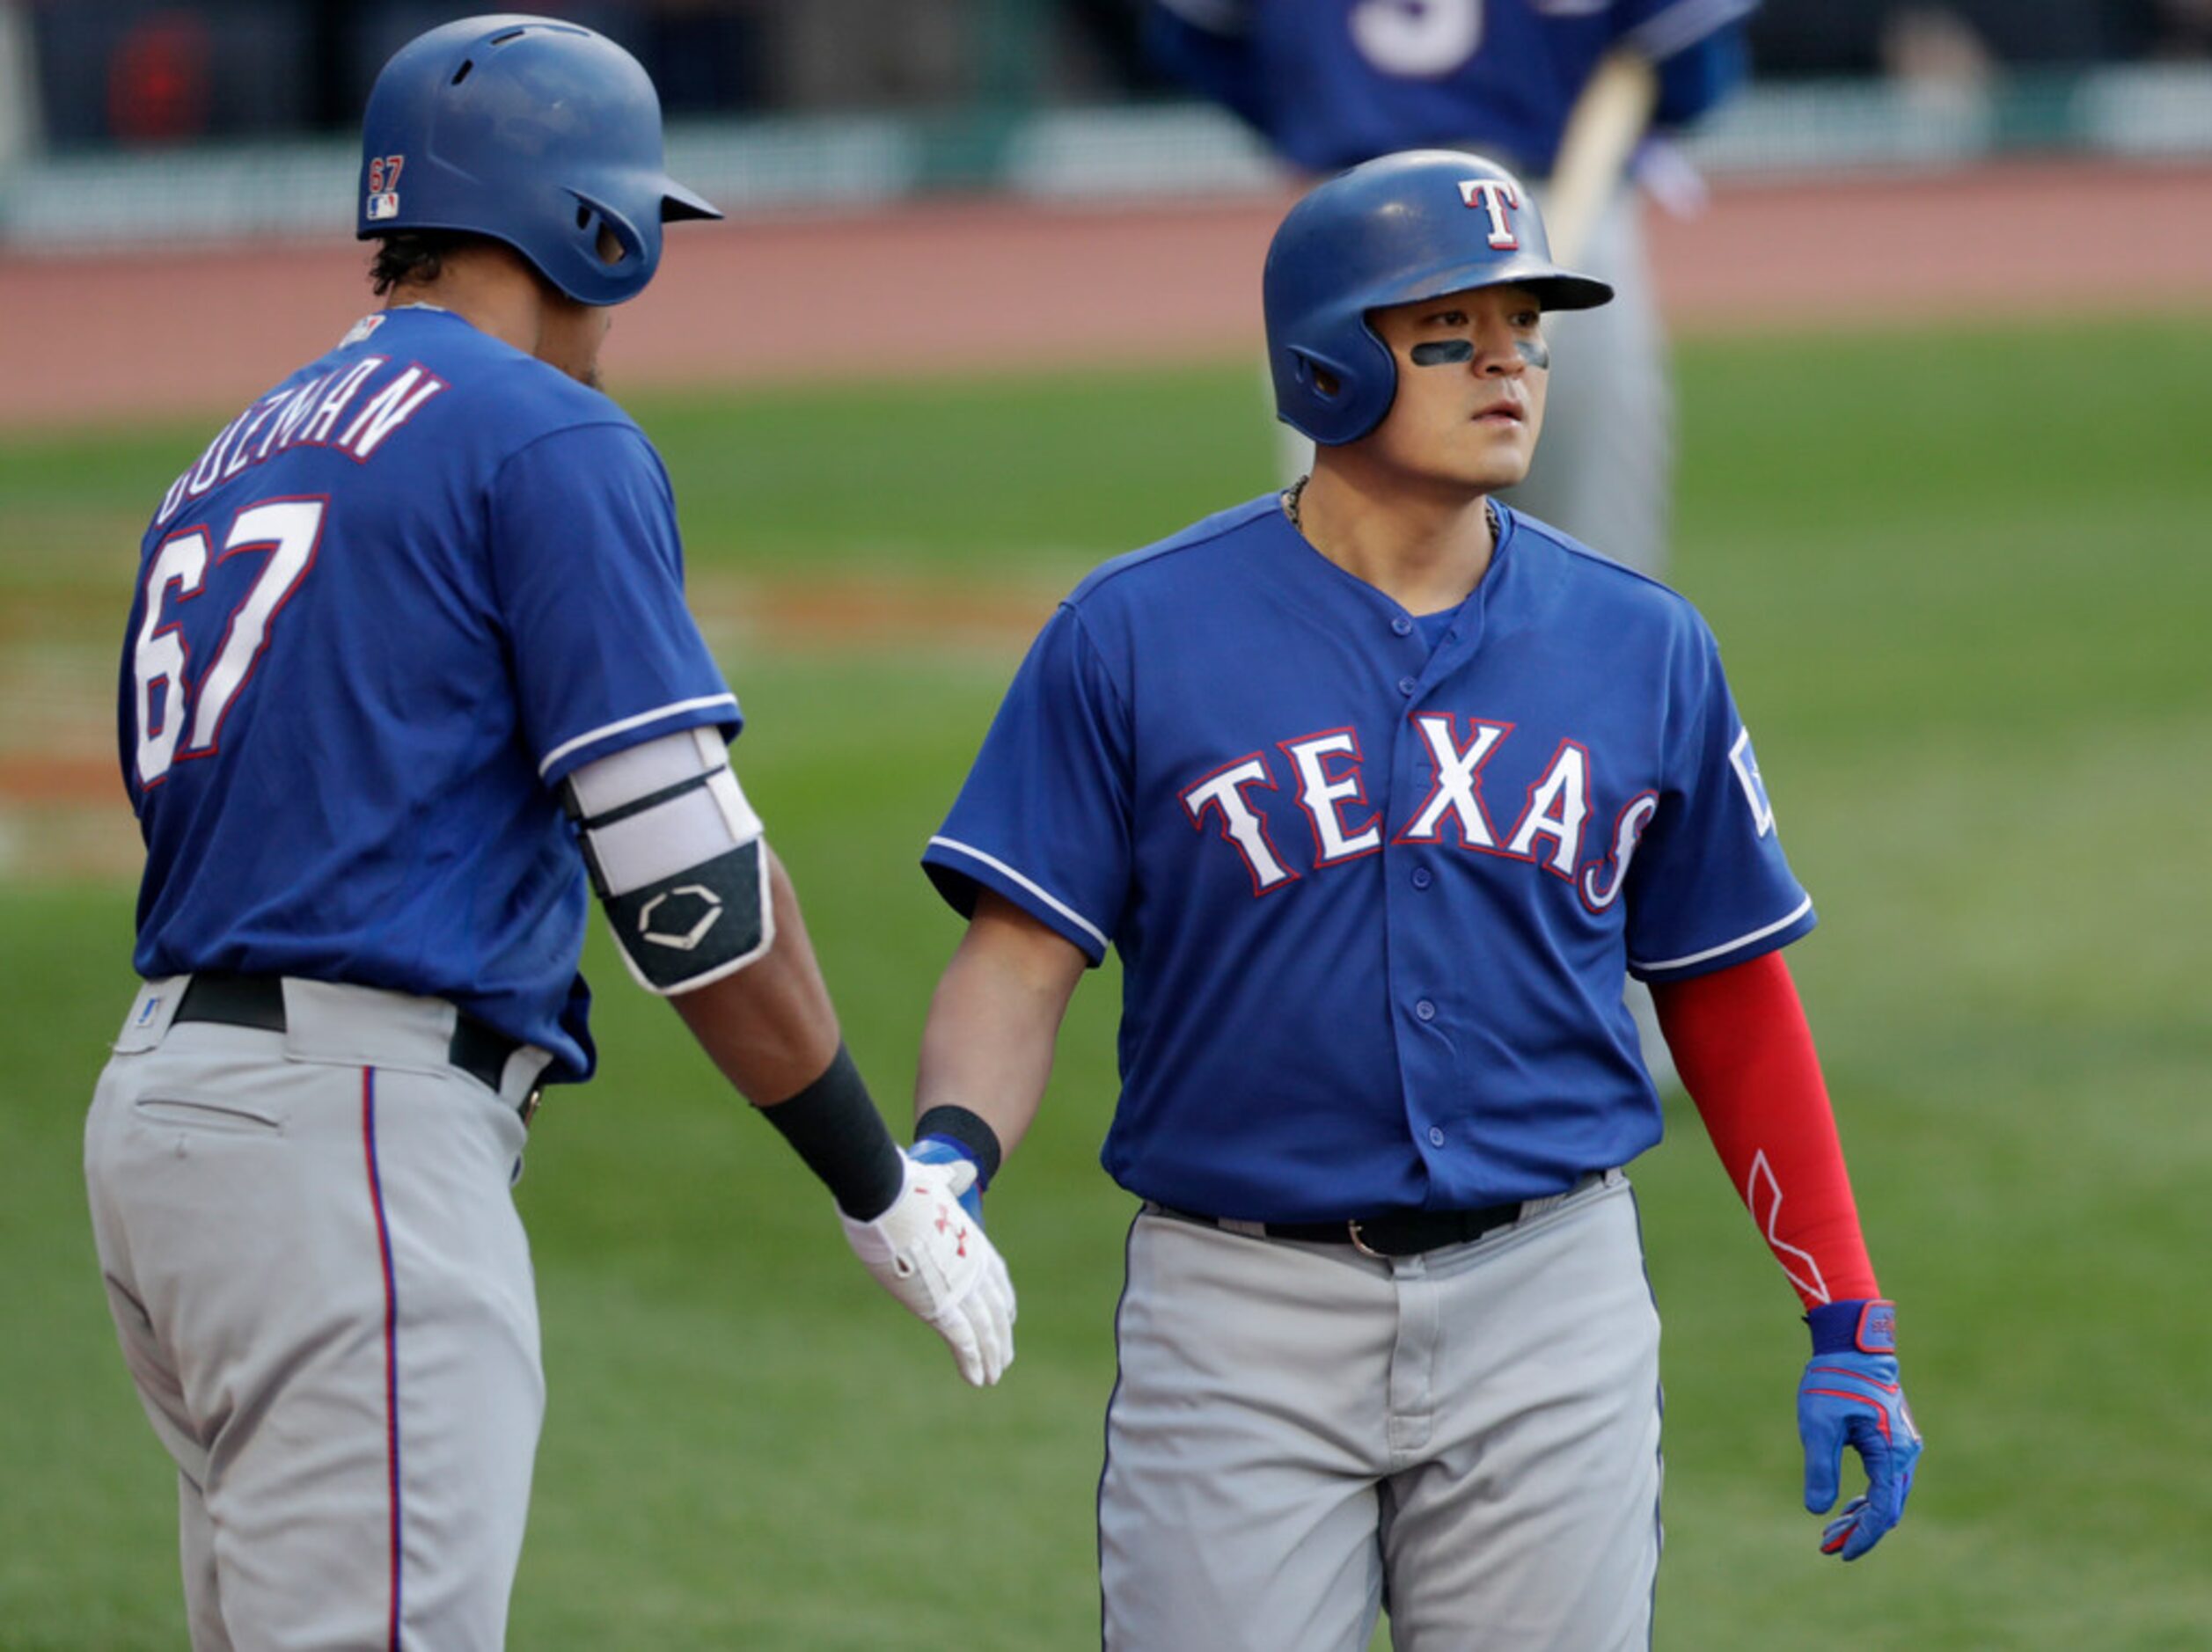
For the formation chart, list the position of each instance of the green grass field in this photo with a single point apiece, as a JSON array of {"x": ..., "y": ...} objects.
[{"x": 1962, "y": 580}]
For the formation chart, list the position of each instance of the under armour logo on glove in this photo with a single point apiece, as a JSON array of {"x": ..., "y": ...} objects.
[
  {"x": 1850, "y": 1396},
  {"x": 944, "y": 1226}
]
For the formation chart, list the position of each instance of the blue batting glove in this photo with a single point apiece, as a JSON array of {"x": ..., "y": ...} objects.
[
  {"x": 1850, "y": 1395},
  {"x": 942, "y": 1150}
]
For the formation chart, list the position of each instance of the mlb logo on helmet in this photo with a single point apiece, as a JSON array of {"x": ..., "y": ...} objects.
[{"x": 1497, "y": 198}]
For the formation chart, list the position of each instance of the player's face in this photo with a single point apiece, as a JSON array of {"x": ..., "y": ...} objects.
[{"x": 1472, "y": 368}]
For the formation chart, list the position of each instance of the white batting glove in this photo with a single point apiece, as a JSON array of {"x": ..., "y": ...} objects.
[{"x": 937, "y": 1260}]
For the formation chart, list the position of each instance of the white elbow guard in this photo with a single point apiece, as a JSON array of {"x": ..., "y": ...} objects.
[{"x": 676, "y": 855}]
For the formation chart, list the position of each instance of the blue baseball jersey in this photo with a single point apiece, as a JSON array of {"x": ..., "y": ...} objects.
[
  {"x": 1332, "y": 82},
  {"x": 391, "y": 606},
  {"x": 1375, "y": 893}
]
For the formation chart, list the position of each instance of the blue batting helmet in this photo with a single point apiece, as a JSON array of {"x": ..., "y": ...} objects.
[
  {"x": 1403, "y": 227},
  {"x": 536, "y": 132}
]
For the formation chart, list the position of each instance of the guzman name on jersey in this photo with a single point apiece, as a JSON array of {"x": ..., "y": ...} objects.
[{"x": 310, "y": 414}]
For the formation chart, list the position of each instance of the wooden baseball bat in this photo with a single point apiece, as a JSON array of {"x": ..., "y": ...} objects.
[{"x": 1603, "y": 129}]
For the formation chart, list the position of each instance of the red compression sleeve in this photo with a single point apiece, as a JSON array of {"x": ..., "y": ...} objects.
[{"x": 1746, "y": 1055}]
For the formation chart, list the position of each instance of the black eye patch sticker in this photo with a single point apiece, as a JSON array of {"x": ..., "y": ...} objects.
[{"x": 1450, "y": 352}]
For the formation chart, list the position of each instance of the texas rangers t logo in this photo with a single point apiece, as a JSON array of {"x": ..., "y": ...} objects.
[{"x": 1495, "y": 198}]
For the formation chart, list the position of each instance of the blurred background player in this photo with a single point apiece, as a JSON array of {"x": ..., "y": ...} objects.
[
  {"x": 408, "y": 637},
  {"x": 1567, "y": 93}
]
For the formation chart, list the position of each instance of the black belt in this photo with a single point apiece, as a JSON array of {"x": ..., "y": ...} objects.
[
  {"x": 1401, "y": 1233},
  {"x": 478, "y": 1049}
]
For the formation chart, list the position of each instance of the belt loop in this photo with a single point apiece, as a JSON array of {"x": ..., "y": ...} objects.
[
  {"x": 152, "y": 1011},
  {"x": 526, "y": 1066}
]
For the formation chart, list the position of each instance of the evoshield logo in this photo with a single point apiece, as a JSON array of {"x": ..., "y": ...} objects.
[{"x": 693, "y": 906}]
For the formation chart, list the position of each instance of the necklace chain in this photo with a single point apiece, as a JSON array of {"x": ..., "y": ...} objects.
[{"x": 1296, "y": 491}]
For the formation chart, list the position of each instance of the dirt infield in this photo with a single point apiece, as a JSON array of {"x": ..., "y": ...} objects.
[{"x": 966, "y": 286}]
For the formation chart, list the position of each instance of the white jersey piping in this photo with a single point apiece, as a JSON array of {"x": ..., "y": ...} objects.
[
  {"x": 1804, "y": 907},
  {"x": 1044, "y": 895}
]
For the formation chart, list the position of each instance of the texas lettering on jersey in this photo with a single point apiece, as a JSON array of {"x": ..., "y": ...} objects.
[{"x": 1325, "y": 779}]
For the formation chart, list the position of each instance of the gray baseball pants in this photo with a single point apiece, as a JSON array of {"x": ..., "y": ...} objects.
[
  {"x": 1303, "y": 1435},
  {"x": 324, "y": 1295}
]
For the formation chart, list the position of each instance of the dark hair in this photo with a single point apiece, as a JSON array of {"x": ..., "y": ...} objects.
[{"x": 410, "y": 256}]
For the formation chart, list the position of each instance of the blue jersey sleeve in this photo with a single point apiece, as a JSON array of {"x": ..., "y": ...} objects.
[
  {"x": 1698, "y": 46},
  {"x": 1700, "y": 76},
  {"x": 590, "y": 576},
  {"x": 1661, "y": 28},
  {"x": 1045, "y": 818},
  {"x": 1209, "y": 48},
  {"x": 1709, "y": 886}
]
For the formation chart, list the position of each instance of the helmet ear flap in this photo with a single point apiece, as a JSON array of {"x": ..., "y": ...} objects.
[
  {"x": 607, "y": 243},
  {"x": 608, "y": 237},
  {"x": 1317, "y": 374},
  {"x": 1335, "y": 395}
]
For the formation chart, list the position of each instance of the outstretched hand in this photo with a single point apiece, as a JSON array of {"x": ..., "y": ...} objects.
[
  {"x": 1850, "y": 1396},
  {"x": 936, "y": 1259}
]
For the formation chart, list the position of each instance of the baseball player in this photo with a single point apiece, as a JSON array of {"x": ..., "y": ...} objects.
[
  {"x": 1561, "y": 91},
  {"x": 1379, "y": 787},
  {"x": 1565, "y": 92},
  {"x": 409, "y": 674}
]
